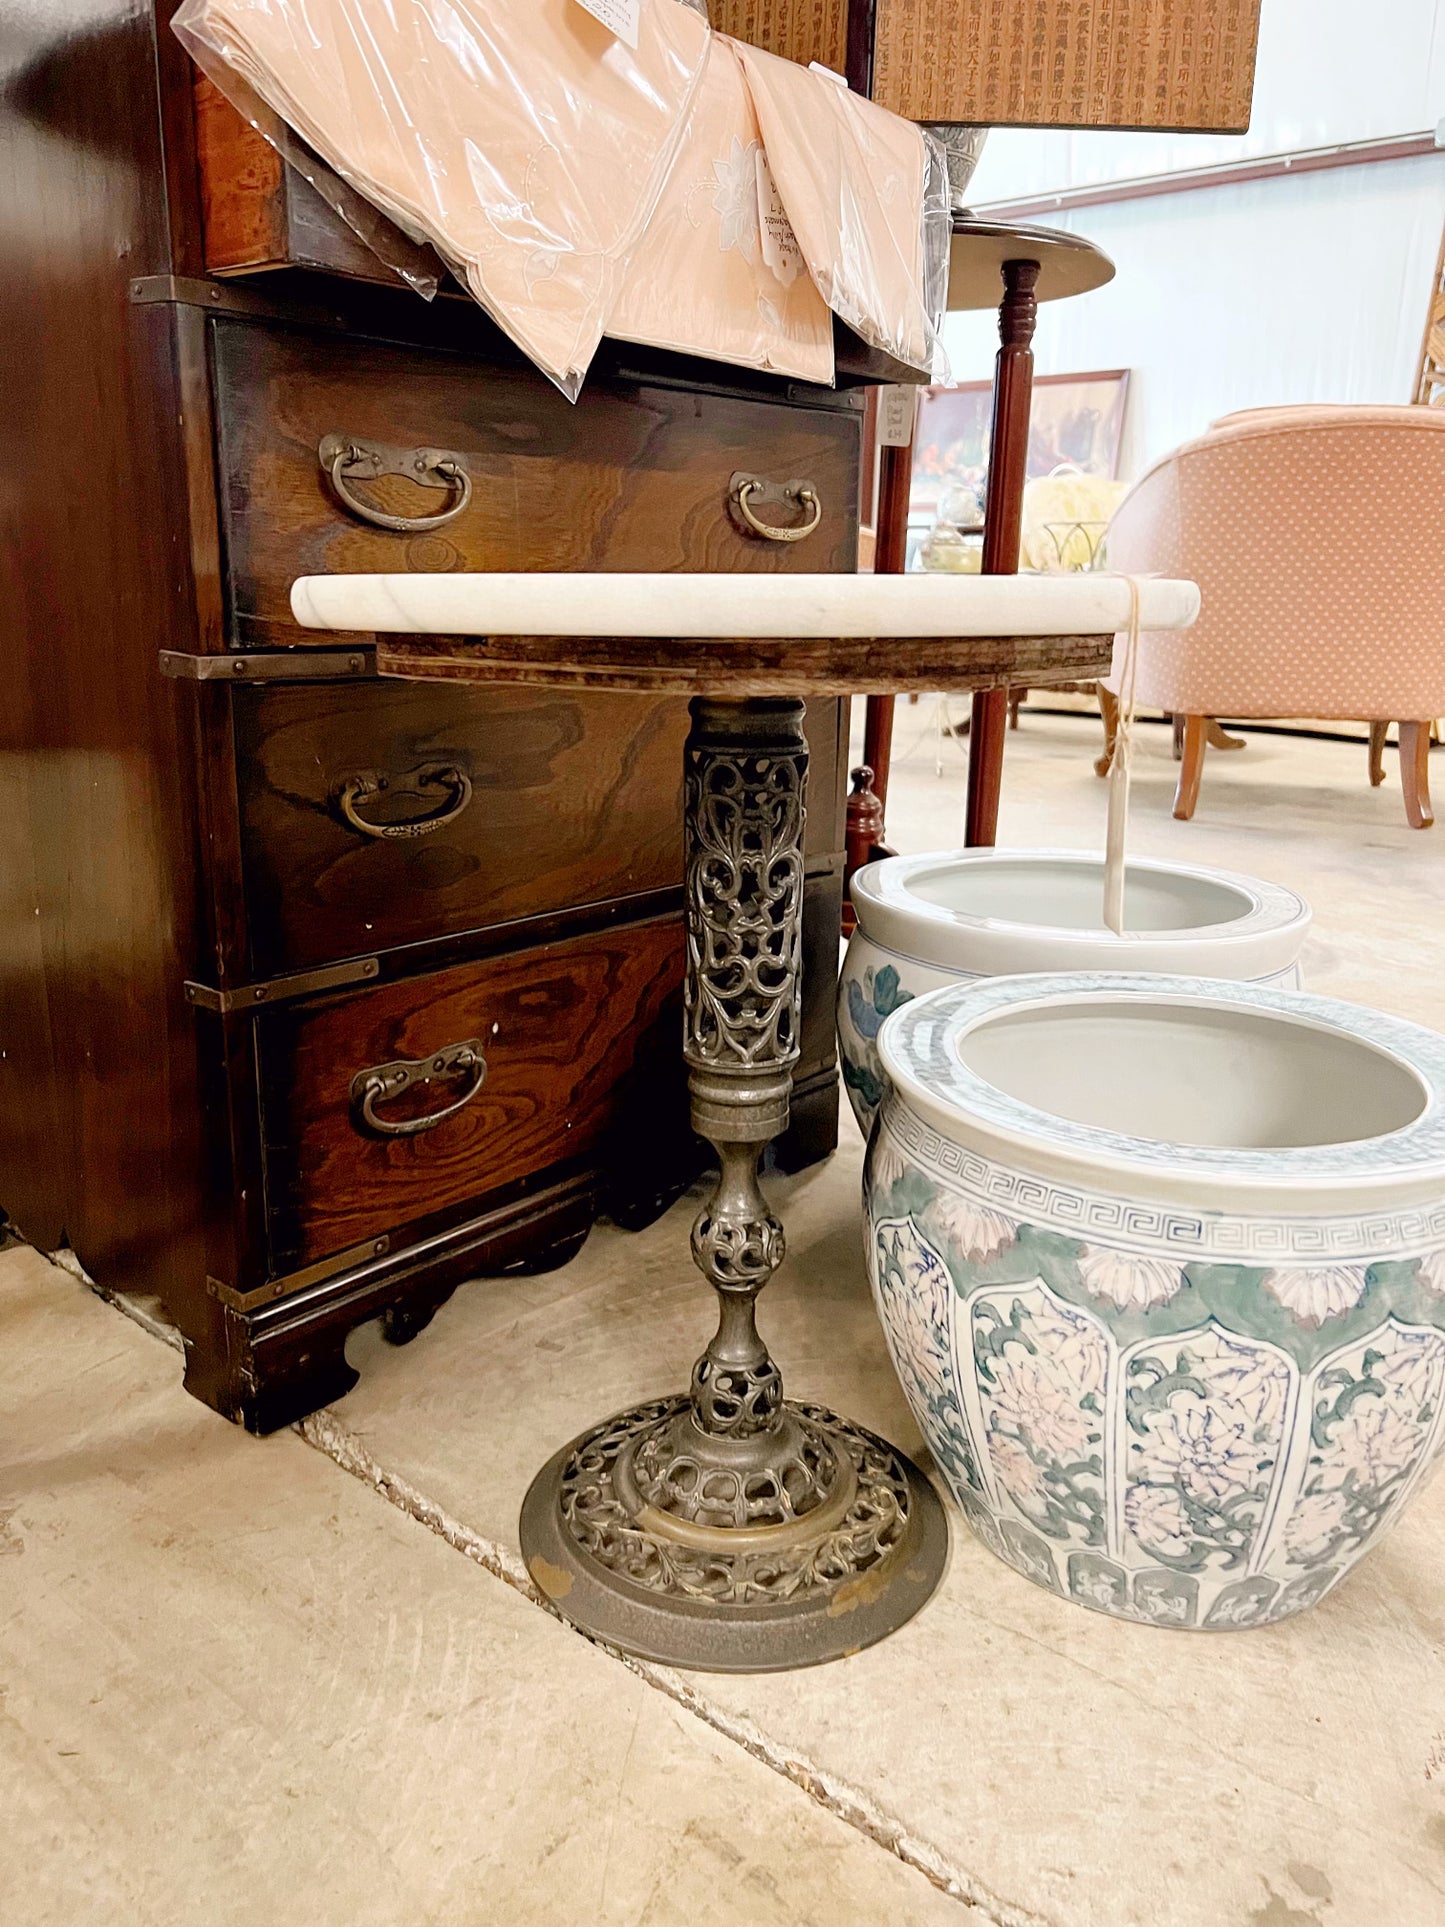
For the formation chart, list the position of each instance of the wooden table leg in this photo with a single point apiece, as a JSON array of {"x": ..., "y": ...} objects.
[
  {"x": 1003, "y": 525},
  {"x": 869, "y": 794},
  {"x": 895, "y": 481}
]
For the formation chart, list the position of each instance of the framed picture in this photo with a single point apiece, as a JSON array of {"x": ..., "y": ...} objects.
[{"x": 1076, "y": 421}]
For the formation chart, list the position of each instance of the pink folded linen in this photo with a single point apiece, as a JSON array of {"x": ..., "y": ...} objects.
[
  {"x": 869, "y": 216},
  {"x": 698, "y": 282},
  {"x": 519, "y": 137}
]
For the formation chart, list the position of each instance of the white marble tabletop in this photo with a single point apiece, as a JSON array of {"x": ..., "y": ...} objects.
[{"x": 765, "y": 606}]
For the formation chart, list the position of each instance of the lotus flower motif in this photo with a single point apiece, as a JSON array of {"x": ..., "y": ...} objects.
[
  {"x": 1038, "y": 1401},
  {"x": 1311, "y": 1294},
  {"x": 888, "y": 1166},
  {"x": 1128, "y": 1282},
  {"x": 1313, "y": 1525},
  {"x": 977, "y": 1232}
]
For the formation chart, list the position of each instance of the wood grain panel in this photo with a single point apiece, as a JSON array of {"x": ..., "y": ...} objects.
[
  {"x": 750, "y": 665},
  {"x": 797, "y": 29},
  {"x": 576, "y": 799},
  {"x": 1068, "y": 63},
  {"x": 560, "y": 1028},
  {"x": 630, "y": 477}
]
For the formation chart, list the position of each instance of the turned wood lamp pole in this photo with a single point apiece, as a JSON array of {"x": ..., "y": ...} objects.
[
  {"x": 1030, "y": 265},
  {"x": 1003, "y": 515}
]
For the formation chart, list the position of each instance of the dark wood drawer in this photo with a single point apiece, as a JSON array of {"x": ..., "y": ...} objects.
[
  {"x": 561, "y": 1030},
  {"x": 541, "y": 801},
  {"x": 631, "y": 476}
]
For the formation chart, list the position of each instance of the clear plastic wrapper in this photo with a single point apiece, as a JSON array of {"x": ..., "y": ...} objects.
[
  {"x": 867, "y": 195},
  {"x": 407, "y": 256},
  {"x": 700, "y": 280},
  {"x": 525, "y": 142}
]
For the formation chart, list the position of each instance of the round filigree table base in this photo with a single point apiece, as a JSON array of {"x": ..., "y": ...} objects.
[{"x": 841, "y": 1539}]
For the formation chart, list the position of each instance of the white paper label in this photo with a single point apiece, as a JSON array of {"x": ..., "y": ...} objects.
[
  {"x": 896, "y": 409},
  {"x": 618, "y": 16},
  {"x": 828, "y": 73},
  {"x": 780, "y": 245}
]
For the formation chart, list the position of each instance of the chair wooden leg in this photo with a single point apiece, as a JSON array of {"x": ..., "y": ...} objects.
[
  {"x": 1176, "y": 724},
  {"x": 1015, "y": 698},
  {"x": 1378, "y": 732},
  {"x": 1415, "y": 774},
  {"x": 1109, "y": 711},
  {"x": 1191, "y": 767}
]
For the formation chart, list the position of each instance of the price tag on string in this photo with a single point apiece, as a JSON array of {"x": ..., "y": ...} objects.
[
  {"x": 780, "y": 245},
  {"x": 897, "y": 405},
  {"x": 620, "y": 17}
]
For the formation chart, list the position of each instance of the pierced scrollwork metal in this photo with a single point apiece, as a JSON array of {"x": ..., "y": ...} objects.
[
  {"x": 750, "y": 1546},
  {"x": 734, "y": 1497},
  {"x": 745, "y": 771}
]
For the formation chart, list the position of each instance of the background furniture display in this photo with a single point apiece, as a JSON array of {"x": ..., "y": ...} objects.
[
  {"x": 266, "y": 917},
  {"x": 1170, "y": 63},
  {"x": 1251, "y": 511},
  {"x": 1030, "y": 265},
  {"x": 727, "y": 1528},
  {"x": 1074, "y": 420}
]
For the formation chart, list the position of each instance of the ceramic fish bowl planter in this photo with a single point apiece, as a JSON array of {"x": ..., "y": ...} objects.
[
  {"x": 1161, "y": 1264},
  {"x": 960, "y": 915}
]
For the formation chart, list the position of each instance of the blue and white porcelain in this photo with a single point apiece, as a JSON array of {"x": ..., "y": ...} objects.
[
  {"x": 961, "y": 915},
  {"x": 1161, "y": 1264}
]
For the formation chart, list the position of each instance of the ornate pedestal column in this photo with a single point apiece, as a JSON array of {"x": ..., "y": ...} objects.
[{"x": 729, "y": 1528}]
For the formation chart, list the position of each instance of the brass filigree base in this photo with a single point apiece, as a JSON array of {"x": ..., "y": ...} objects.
[
  {"x": 732, "y": 1529},
  {"x": 632, "y": 1531}
]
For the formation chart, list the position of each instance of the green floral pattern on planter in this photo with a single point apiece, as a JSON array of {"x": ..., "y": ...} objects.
[{"x": 1190, "y": 1443}]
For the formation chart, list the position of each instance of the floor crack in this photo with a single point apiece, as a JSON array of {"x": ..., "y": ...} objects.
[{"x": 325, "y": 1431}]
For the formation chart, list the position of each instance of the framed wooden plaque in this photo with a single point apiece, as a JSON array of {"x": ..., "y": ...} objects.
[
  {"x": 1185, "y": 64},
  {"x": 797, "y": 29}
]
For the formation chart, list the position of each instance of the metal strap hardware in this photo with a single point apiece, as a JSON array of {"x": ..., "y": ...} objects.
[
  {"x": 743, "y": 490},
  {"x": 280, "y": 990},
  {"x": 316, "y": 1274},
  {"x": 346, "y": 459},
  {"x": 385, "y": 1082},
  {"x": 277, "y": 665}
]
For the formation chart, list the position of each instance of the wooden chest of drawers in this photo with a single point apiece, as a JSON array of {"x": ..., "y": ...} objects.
[{"x": 322, "y": 992}]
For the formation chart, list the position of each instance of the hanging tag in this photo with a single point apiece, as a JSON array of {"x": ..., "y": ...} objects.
[
  {"x": 780, "y": 245},
  {"x": 621, "y": 17},
  {"x": 897, "y": 406}
]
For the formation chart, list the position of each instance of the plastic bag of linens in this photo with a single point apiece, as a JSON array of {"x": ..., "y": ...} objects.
[
  {"x": 521, "y": 138},
  {"x": 705, "y": 279},
  {"x": 867, "y": 195}
]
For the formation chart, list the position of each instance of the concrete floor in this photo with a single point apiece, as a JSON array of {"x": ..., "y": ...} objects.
[{"x": 244, "y": 1679}]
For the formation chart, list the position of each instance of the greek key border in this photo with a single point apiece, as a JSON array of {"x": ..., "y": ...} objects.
[{"x": 1164, "y": 1229}]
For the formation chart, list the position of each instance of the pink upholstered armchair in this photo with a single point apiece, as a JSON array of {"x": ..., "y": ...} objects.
[{"x": 1317, "y": 536}]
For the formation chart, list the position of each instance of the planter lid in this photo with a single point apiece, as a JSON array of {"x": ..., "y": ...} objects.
[
  {"x": 1041, "y": 1072},
  {"x": 995, "y": 913}
]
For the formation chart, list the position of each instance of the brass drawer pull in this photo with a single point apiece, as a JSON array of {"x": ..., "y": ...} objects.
[
  {"x": 433, "y": 776},
  {"x": 742, "y": 489},
  {"x": 345, "y": 459},
  {"x": 383, "y": 1082}
]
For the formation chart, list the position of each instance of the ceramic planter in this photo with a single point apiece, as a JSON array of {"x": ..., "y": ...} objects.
[
  {"x": 1161, "y": 1264},
  {"x": 960, "y": 915}
]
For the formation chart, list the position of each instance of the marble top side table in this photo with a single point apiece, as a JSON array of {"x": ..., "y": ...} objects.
[
  {"x": 1014, "y": 267},
  {"x": 727, "y": 1527}
]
